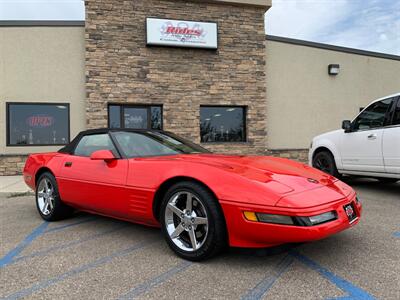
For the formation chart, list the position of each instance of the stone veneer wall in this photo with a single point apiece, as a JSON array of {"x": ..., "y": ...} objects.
[
  {"x": 12, "y": 164},
  {"x": 121, "y": 69},
  {"x": 300, "y": 155}
]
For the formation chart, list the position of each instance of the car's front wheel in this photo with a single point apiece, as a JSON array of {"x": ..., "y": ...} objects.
[
  {"x": 325, "y": 162},
  {"x": 192, "y": 221},
  {"x": 48, "y": 201}
]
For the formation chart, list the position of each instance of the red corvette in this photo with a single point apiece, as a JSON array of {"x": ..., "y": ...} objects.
[{"x": 202, "y": 201}]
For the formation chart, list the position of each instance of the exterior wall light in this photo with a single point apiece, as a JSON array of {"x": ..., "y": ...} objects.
[{"x": 333, "y": 69}]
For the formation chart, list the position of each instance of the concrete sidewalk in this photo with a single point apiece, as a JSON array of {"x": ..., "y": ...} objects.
[{"x": 13, "y": 185}]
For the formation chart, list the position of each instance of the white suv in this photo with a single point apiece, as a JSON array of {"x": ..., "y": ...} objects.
[{"x": 367, "y": 146}]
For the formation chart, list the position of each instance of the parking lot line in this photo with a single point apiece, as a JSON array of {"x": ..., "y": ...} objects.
[
  {"x": 38, "y": 231},
  {"x": 67, "y": 245},
  {"x": 265, "y": 284},
  {"x": 353, "y": 291},
  {"x": 62, "y": 227},
  {"x": 48, "y": 282},
  {"x": 143, "y": 288}
]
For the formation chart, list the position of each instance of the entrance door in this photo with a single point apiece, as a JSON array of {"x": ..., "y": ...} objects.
[{"x": 135, "y": 116}]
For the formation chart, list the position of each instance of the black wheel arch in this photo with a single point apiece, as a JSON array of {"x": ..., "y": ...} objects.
[
  {"x": 41, "y": 171},
  {"x": 322, "y": 149},
  {"x": 163, "y": 188}
]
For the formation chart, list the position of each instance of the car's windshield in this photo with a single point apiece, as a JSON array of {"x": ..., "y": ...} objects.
[{"x": 154, "y": 143}]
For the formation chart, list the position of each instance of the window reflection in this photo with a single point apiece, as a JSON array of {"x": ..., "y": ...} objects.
[
  {"x": 135, "y": 116},
  {"x": 222, "y": 124},
  {"x": 37, "y": 124}
]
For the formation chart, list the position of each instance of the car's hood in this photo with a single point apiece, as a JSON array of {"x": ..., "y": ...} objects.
[
  {"x": 281, "y": 176},
  {"x": 286, "y": 175},
  {"x": 328, "y": 134}
]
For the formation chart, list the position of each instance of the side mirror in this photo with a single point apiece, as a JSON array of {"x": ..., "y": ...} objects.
[
  {"x": 346, "y": 125},
  {"x": 105, "y": 155}
]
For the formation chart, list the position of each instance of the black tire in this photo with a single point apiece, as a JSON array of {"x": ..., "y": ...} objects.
[
  {"x": 59, "y": 210},
  {"x": 325, "y": 162},
  {"x": 387, "y": 180},
  {"x": 215, "y": 240}
]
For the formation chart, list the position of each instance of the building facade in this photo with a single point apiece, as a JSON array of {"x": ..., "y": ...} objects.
[{"x": 242, "y": 94}]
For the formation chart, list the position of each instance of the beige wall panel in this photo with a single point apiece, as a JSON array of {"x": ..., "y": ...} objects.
[
  {"x": 304, "y": 101},
  {"x": 42, "y": 64}
]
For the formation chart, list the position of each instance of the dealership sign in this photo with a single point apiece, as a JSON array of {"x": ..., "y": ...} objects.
[{"x": 177, "y": 33}]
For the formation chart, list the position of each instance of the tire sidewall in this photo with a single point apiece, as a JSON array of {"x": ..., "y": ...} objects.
[
  {"x": 209, "y": 203},
  {"x": 329, "y": 157},
  {"x": 57, "y": 203}
]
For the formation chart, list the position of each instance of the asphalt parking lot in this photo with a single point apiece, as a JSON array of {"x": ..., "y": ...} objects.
[{"x": 93, "y": 257}]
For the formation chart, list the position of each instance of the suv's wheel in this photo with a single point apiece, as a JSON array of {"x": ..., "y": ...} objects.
[
  {"x": 192, "y": 222},
  {"x": 48, "y": 201},
  {"x": 387, "y": 180},
  {"x": 325, "y": 162}
]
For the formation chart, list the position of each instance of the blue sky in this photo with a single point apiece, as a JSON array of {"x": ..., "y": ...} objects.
[{"x": 364, "y": 24}]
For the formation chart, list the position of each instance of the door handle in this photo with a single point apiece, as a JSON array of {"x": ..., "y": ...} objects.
[
  {"x": 68, "y": 164},
  {"x": 372, "y": 136}
]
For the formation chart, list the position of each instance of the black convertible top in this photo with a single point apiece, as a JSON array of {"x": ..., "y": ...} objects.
[{"x": 69, "y": 148}]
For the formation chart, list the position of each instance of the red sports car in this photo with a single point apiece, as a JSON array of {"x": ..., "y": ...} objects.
[{"x": 202, "y": 201}]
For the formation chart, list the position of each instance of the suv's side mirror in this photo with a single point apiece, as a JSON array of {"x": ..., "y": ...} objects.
[
  {"x": 346, "y": 125},
  {"x": 105, "y": 155}
]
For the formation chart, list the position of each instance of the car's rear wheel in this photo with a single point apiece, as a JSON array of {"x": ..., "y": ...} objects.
[
  {"x": 48, "y": 201},
  {"x": 192, "y": 221},
  {"x": 388, "y": 180},
  {"x": 325, "y": 162}
]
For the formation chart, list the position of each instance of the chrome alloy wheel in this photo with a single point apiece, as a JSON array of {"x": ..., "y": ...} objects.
[
  {"x": 186, "y": 221},
  {"x": 45, "y": 196}
]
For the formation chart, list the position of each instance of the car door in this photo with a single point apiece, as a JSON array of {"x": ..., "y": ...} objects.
[
  {"x": 361, "y": 148},
  {"x": 94, "y": 185},
  {"x": 391, "y": 142}
]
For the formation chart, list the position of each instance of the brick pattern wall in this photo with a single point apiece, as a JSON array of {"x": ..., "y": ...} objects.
[
  {"x": 300, "y": 155},
  {"x": 121, "y": 69},
  {"x": 12, "y": 164}
]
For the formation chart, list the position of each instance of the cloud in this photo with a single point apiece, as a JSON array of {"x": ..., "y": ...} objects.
[{"x": 370, "y": 24}]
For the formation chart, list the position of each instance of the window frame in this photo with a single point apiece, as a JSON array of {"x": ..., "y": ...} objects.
[
  {"x": 243, "y": 107},
  {"x": 396, "y": 102},
  {"x": 122, "y": 107},
  {"x": 388, "y": 116},
  {"x": 117, "y": 154},
  {"x": 8, "y": 104}
]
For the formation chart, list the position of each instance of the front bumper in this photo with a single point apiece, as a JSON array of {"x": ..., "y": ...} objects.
[{"x": 244, "y": 233}]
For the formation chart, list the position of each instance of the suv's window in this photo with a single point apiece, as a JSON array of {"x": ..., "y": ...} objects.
[
  {"x": 90, "y": 143},
  {"x": 373, "y": 116},
  {"x": 396, "y": 117}
]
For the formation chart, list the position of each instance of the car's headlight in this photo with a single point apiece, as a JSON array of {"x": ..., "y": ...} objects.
[
  {"x": 289, "y": 220},
  {"x": 322, "y": 218},
  {"x": 268, "y": 218}
]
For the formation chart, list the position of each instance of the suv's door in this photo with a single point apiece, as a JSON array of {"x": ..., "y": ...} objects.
[
  {"x": 94, "y": 184},
  {"x": 361, "y": 149},
  {"x": 391, "y": 142}
]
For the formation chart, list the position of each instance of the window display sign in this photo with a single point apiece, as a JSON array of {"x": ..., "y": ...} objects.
[
  {"x": 178, "y": 33},
  {"x": 30, "y": 124}
]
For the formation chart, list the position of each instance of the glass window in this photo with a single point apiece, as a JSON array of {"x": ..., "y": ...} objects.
[
  {"x": 30, "y": 124},
  {"x": 135, "y": 116},
  {"x": 222, "y": 124},
  {"x": 396, "y": 117},
  {"x": 94, "y": 142},
  {"x": 148, "y": 143},
  {"x": 373, "y": 116}
]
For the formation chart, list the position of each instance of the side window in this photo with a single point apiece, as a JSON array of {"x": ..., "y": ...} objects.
[
  {"x": 396, "y": 117},
  {"x": 90, "y": 143},
  {"x": 373, "y": 116}
]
